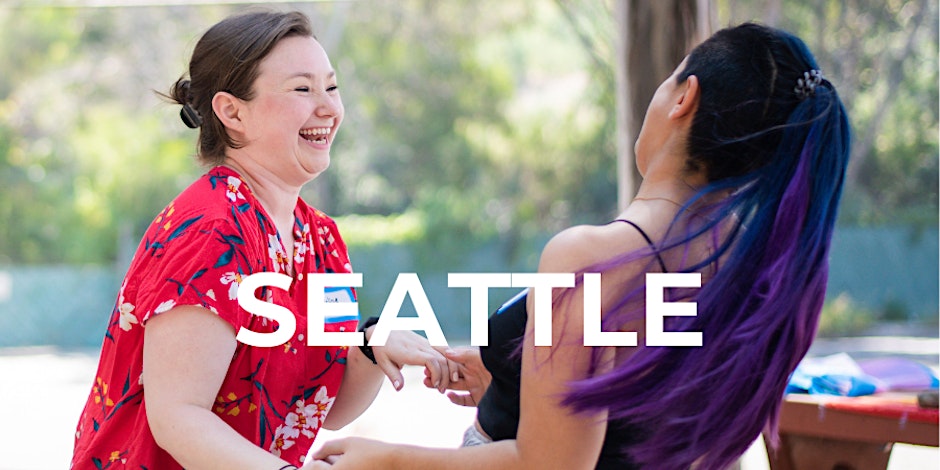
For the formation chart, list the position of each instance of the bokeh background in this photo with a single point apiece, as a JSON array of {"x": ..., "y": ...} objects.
[{"x": 473, "y": 131}]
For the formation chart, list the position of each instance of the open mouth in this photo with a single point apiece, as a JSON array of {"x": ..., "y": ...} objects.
[{"x": 317, "y": 135}]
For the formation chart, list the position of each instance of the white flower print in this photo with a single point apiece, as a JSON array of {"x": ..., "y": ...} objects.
[
  {"x": 326, "y": 238},
  {"x": 232, "y": 189},
  {"x": 323, "y": 402},
  {"x": 166, "y": 305},
  {"x": 283, "y": 439},
  {"x": 127, "y": 318},
  {"x": 298, "y": 419},
  {"x": 276, "y": 252},
  {"x": 306, "y": 419},
  {"x": 232, "y": 279},
  {"x": 302, "y": 243}
]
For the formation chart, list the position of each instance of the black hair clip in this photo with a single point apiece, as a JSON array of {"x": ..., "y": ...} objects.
[{"x": 190, "y": 117}]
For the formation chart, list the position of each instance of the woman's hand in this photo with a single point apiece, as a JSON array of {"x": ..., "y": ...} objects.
[
  {"x": 316, "y": 465},
  {"x": 409, "y": 348},
  {"x": 472, "y": 376},
  {"x": 350, "y": 453},
  {"x": 362, "y": 380}
]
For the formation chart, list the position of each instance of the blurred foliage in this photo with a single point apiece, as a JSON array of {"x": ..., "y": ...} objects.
[
  {"x": 376, "y": 230},
  {"x": 883, "y": 58},
  {"x": 465, "y": 120},
  {"x": 88, "y": 153},
  {"x": 478, "y": 115},
  {"x": 842, "y": 317}
]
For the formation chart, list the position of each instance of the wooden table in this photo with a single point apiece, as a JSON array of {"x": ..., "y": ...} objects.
[{"x": 820, "y": 432}]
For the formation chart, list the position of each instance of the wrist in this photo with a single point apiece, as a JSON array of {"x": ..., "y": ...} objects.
[
  {"x": 366, "y": 328},
  {"x": 367, "y": 332}
]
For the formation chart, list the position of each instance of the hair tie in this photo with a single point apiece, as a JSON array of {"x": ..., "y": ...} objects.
[
  {"x": 806, "y": 85},
  {"x": 190, "y": 116}
]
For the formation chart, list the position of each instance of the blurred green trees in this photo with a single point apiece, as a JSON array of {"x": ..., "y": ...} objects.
[{"x": 465, "y": 120}]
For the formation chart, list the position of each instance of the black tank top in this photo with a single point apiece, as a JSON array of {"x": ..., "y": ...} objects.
[{"x": 498, "y": 410}]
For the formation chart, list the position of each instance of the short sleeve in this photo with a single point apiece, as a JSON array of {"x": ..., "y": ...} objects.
[{"x": 197, "y": 263}]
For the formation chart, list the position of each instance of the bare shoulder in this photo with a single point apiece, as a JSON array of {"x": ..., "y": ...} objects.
[{"x": 578, "y": 247}]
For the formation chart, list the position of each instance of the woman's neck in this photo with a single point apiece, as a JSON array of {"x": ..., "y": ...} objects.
[
  {"x": 663, "y": 193},
  {"x": 676, "y": 190},
  {"x": 277, "y": 197}
]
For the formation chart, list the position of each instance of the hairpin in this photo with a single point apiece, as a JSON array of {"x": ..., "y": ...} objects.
[
  {"x": 806, "y": 85},
  {"x": 190, "y": 117}
]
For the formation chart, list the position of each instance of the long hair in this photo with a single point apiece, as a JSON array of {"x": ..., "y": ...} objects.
[{"x": 781, "y": 157}]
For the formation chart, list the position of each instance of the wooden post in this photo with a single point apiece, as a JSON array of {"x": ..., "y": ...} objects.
[{"x": 653, "y": 37}]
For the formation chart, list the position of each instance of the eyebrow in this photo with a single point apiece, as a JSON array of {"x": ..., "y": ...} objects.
[{"x": 310, "y": 76}]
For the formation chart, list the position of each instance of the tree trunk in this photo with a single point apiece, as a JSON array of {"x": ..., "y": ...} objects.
[{"x": 654, "y": 36}]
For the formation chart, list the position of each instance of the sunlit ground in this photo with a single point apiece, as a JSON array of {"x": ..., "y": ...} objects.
[{"x": 42, "y": 392}]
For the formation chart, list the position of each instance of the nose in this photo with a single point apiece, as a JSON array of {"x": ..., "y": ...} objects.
[{"x": 329, "y": 106}]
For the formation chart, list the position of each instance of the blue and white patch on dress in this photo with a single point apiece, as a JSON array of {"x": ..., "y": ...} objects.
[{"x": 337, "y": 295}]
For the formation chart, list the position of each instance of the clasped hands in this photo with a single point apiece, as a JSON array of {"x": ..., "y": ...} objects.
[{"x": 465, "y": 385}]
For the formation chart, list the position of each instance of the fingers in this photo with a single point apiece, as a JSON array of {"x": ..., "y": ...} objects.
[
  {"x": 454, "y": 369},
  {"x": 392, "y": 371},
  {"x": 317, "y": 465},
  {"x": 409, "y": 348},
  {"x": 457, "y": 359},
  {"x": 462, "y": 363},
  {"x": 462, "y": 355},
  {"x": 437, "y": 369},
  {"x": 330, "y": 450},
  {"x": 462, "y": 399},
  {"x": 449, "y": 374},
  {"x": 440, "y": 375}
]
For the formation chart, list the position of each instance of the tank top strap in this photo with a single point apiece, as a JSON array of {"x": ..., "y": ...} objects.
[{"x": 649, "y": 241}]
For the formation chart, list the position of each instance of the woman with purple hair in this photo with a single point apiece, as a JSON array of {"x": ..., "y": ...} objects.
[{"x": 743, "y": 153}]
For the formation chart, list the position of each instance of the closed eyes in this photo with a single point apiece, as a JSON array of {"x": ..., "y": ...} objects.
[{"x": 304, "y": 89}]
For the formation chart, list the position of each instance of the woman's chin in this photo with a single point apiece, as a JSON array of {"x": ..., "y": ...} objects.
[{"x": 314, "y": 166}]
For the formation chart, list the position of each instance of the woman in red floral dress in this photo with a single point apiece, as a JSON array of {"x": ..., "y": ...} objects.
[{"x": 174, "y": 388}]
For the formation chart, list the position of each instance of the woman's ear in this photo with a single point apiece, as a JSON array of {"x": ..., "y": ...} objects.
[
  {"x": 228, "y": 109},
  {"x": 688, "y": 99}
]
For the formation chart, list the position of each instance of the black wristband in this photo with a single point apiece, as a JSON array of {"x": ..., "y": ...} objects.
[{"x": 365, "y": 348}]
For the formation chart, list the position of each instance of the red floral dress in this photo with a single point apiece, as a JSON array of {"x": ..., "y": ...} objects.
[{"x": 196, "y": 252}]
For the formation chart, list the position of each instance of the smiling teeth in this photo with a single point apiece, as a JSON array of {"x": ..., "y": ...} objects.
[{"x": 316, "y": 131}]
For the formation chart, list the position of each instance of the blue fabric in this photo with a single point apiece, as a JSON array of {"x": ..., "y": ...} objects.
[{"x": 841, "y": 375}]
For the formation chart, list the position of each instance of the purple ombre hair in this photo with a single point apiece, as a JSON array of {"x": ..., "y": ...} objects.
[{"x": 782, "y": 159}]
